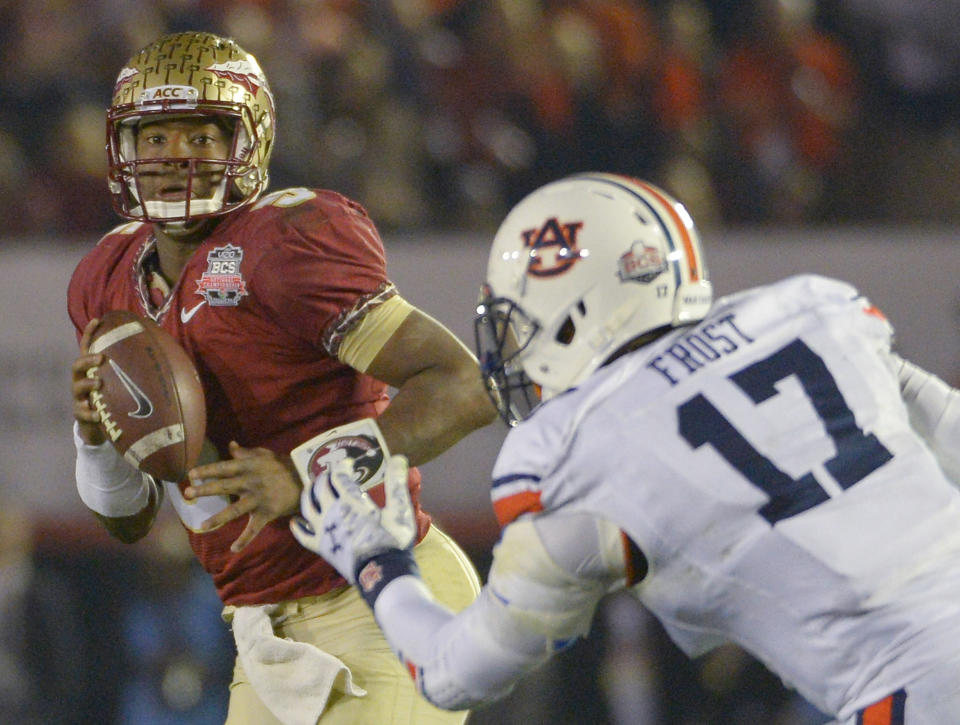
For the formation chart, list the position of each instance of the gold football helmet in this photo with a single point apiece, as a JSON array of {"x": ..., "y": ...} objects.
[{"x": 191, "y": 75}]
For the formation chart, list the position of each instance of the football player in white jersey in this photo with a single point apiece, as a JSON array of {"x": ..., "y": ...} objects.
[{"x": 762, "y": 470}]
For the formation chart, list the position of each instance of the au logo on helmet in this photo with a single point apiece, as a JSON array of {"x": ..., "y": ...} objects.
[{"x": 553, "y": 247}]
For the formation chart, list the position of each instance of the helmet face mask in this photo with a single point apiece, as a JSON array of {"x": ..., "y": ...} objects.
[
  {"x": 503, "y": 331},
  {"x": 191, "y": 75},
  {"x": 578, "y": 269}
]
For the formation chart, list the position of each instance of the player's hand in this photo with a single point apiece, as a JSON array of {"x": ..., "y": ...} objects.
[
  {"x": 345, "y": 526},
  {"x": 265, "y": 485},
  {"x": 84, "y": 379}
]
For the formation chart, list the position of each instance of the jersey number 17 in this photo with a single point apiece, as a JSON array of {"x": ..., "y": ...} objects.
[{"x": 857, "y": 454}]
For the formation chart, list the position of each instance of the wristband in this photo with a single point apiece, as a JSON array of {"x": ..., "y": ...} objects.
[
  {"x": 360, "y": 440},
  {"x": 373, "y": 575},
  {"x": 107, "y": 484}
]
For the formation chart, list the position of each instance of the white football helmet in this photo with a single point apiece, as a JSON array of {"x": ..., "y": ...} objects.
[{"x": 578, "y": 269}]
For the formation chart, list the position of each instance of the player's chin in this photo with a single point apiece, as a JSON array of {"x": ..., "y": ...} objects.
[{"x": 187, "y": 230}]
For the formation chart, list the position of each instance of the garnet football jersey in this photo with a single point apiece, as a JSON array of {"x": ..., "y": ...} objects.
[{"x": 260, "y": 307}]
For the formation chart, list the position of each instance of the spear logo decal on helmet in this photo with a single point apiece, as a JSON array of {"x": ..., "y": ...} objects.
[
  {"x": 126, "y": 74},
  {"x": 240, "y": 72}
]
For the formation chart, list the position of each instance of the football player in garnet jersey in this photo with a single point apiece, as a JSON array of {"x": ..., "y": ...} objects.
[
  {"x": 762, "y": 470},
  {"x": 283, "y": 302}
]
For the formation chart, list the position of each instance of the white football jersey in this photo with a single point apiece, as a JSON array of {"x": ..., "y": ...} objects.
[{"x": 764, "y": 462}]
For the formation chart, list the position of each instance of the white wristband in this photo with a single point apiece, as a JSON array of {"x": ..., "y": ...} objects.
[
  {"x": 106, "y": 483},
  {"x": 360, "y": 440}
]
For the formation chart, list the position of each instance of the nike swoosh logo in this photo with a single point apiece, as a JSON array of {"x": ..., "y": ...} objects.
[
  {"x": 144, "y": 406},
  {"x": 186, "y": 315}
]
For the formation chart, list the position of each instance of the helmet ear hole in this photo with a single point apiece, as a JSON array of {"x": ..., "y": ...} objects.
[{"x": 568, "y": 329}]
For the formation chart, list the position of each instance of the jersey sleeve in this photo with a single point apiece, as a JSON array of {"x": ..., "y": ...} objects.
[
  {"x": 548, "y": 575},
  {"x": 529, "y": 455},
  {"x": 76, "y": 304},
  {"x": 324, "y": 271},
  {"x": 83, "y": 291},
  {"x": 94, "y": 278}
]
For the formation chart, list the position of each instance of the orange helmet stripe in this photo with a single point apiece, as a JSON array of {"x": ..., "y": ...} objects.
[{"x": 688, "y": 246}]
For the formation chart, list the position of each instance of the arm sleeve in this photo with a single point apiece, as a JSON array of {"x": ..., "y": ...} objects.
[
  {"x": 108, "y": 484},
  {"x": 548, "y": 575},
  {"x": 934, "y": 409}
]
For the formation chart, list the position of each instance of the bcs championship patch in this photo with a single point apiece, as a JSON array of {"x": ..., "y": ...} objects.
[{"x": 222, "y": 284}]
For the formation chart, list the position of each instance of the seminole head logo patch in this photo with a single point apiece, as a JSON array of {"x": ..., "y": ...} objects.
[{"x": 364, "y": 450}]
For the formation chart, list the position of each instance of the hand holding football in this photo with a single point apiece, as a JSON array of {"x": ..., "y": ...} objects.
[{"x": 150, "y": 400}]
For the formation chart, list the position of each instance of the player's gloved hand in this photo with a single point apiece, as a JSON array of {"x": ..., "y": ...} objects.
[{"x": 345, "y": 527}]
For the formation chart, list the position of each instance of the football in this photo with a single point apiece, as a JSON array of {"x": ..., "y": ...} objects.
[{"x": 150, "y": 400}]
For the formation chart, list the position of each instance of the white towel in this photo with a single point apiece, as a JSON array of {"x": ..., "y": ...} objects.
[{"x": 293, "y": 679}]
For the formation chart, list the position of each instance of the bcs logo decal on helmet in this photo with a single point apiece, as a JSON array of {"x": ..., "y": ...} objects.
[
  {"x": 222, "y": 285},
  {"x": 553, "y": 247},
  {"x": 642, "y": 263},
  {"x": 241, "y": 72}
]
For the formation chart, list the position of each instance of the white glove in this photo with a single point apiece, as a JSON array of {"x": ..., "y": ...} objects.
[{"x": 345, "y": 527}]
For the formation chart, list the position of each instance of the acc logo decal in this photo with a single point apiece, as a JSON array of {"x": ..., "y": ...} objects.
[
  {"x": 158, "y": 94},
  {"x": 553, "y": 247},
  {"x": 222, "y": 285},
  {"x": 364, "y": 450},
  {"x": 641, "y": 264}
]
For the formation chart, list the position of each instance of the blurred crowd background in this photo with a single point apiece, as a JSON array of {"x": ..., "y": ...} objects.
[
  {"x": 442, "y": 113},
  {"x": 439, "y": 115}
]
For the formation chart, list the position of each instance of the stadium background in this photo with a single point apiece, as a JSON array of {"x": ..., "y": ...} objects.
[{"x": 805, "y": 136}]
